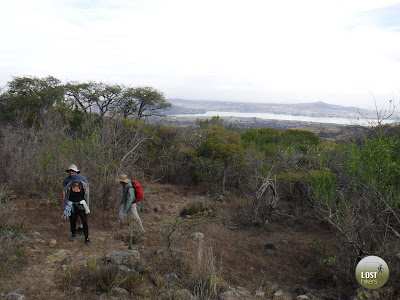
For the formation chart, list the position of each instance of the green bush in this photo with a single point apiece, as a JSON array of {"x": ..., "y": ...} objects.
[
  {"x": 323, "y": 185},
  {"x": 263, "y": 139},
  {"x": 376, "y": 164}
]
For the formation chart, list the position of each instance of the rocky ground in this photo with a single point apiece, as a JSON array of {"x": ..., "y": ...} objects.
[{"x": 282, "y": 260}]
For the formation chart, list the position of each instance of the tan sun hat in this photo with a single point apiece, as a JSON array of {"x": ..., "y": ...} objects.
[
  {"x": 73, "y": 168},
  {"x": 123, "y": 178}
]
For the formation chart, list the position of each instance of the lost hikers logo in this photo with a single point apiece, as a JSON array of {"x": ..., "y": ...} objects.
[{"x": 372, "y": 272}]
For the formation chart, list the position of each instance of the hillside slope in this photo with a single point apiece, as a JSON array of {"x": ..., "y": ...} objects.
[{"x": 284, "y": 254}]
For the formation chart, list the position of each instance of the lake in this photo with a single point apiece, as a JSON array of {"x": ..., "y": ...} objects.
[{"x": 285, "y": 117}]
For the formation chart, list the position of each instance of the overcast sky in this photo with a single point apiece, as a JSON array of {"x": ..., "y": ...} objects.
[{"x": 343, "y": 52}]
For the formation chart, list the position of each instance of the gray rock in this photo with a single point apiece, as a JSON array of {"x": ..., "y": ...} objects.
[
  {"x": 120, "y": 292},
  {"x": 172, "y": 277},
  {"x": 182, "y": 294},
  {"x": 237, "y": 293},
  {"x": 52, "y": 243},
  {"x": 222, "y": 198},
  {"x": 123, "y": 257},
  {"x": 280, "y": 295},
  {"x": 197, "y": 236},
  {"x": 126, "y": 271},
  {"x": 14, "y": 296},
  {"x": 259, "y": 295},
  {"x": 270, "y": 248}
]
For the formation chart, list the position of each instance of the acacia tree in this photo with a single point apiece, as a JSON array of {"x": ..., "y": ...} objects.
[
  {"x": 99, "y": 97},
  {"x": 141, "y": 102},
  {"x": 31, "y": 97},
  {"x": 80, "y": 95},
  {"x": 127, "y": 104}
]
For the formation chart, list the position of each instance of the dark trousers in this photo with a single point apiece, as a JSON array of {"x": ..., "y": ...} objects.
[{"x": 72, "y": 220}]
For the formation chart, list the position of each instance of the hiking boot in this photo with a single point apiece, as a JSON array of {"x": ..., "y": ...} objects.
[
  {"x": 88, "y": 243},
  {"x": 72, "y": 238}
]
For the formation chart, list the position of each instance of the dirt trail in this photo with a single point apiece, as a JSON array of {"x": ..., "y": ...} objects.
[{"x": 240, "y": 250}]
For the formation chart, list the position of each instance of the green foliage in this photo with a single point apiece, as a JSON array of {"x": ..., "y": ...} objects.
[
  {"x": 169, "y": 153},
  {"x": 263, "y": 139},
  {"x": 331, "y": 260},
  {"x": 30, "y": 97},
  {"x": 215, "y": 121},
  {"x": 323, "y": 185},
  {"x": 219, "y": 150},
  {"x": 86, "y": 96},
  {"x": 289, "y": 177},
  {"x": 76, "y": 121},
  {"x": 110, "y": 277},
  {"x": 91, "y": 264},
  {"x": 264, "y": 169},
  {"x": 330, "y": 153},
  {"x": 287, "y": 151},
  {"x": 141, "y": 102},
  {"x": 130, "y": 125},
  {"x": 68, "y": 270},
  {"x": 376, "y": 164},
  {"x": 300, "y": 139},
  {"x": 220, "y": 144},
  {"x": 165, "y": 137}
]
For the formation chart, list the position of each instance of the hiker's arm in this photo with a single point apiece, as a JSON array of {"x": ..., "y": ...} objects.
[
  {"x": 130, "y": 199},
  {"x": 87, "y": 195},
  {"x": 63, "y": 196}
]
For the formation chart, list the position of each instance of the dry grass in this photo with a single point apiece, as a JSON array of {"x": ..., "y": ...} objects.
[{"x": 232, "y": 252}]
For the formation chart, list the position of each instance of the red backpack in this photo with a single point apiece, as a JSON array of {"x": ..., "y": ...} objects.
[{"x": 138, "y": 190}]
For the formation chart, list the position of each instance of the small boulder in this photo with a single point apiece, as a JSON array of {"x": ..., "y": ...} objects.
[
  {"x": 123, "y": 257},
  {"x": 52, "y": 243},
  {"x": 197, "y": 236}
]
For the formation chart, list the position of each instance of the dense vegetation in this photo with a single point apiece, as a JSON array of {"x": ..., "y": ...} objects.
[{"x": 354, "y": 187}]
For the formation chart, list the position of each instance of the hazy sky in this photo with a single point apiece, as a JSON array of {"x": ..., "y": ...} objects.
[{"x": 338, "y": 51}]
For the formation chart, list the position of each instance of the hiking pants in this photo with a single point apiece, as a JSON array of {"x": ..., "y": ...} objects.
[
  {"x": 133, "y": 213},
  {"x": 72, "y": 220}
]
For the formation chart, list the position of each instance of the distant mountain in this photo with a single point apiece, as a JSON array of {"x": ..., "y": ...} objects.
[
  {"x": 183, "y": 106},
  {"x": 325, "y": 106}
]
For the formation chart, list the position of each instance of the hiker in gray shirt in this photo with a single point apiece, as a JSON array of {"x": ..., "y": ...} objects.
[{"x": 128, "y": 202}]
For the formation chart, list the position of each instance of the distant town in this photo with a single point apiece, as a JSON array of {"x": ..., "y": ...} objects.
[
  {"x": 320, "y": 109},
  {"x": 243, "y": 114}
]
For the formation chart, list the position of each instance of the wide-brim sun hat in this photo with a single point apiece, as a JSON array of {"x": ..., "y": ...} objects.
[
  {"x": 75, "y": 178},
  {"x": 73, "y": 168},
  {"x": 123, "y": 178}
]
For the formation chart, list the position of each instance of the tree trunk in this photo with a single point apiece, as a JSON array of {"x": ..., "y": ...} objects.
[{"x": 224, "y": 180}]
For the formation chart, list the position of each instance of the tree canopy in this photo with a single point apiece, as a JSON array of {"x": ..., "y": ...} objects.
[{"x": 30, "y": 96}]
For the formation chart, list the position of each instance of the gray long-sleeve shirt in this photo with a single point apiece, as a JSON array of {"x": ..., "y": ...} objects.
[{"x": 128, "y": 196}]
